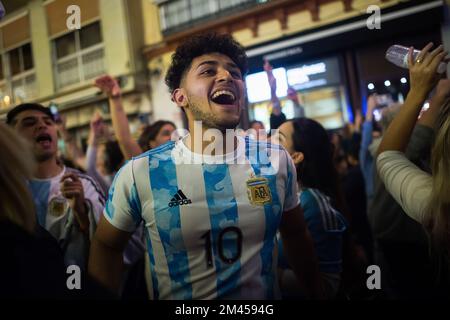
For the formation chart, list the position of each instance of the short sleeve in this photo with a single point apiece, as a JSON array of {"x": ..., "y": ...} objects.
[
  {"x": 123, "y": 207},
  {"x": 291, "y": 196},
  {"x": 410, "y": 186}
]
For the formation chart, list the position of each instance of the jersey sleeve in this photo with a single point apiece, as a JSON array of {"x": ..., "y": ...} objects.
[
  {"x": 123, "y": 207},
  {"x": 291, "y": 196}
]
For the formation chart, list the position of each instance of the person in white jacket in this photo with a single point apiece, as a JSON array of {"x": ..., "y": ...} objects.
[{"x": 424, "y": 197}]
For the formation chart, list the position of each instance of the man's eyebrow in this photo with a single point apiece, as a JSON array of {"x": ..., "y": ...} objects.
[
  {"x": 28, "y": 118},
  {"x": 207, "y": 62},
  {"x": 34, "y": 118},
  {"x": 212, "y": 62}
]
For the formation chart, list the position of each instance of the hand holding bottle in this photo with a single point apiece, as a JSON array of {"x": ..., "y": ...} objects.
[{"x": 423, "y": 70}]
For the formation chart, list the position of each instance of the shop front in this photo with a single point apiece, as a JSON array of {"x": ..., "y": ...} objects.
[
  {"x": 333, "y": 68},
  {"x": 319, "y": 88}
]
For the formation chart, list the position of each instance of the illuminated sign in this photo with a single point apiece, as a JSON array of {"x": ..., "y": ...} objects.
[
  {"x": 318, "y": 73},
  {"x": 258, "y": 88},
  {"x": 301, "y": 75}
]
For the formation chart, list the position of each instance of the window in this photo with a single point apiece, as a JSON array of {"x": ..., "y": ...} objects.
[
  {"x": 201, "y": 8},
  {"x": 176, "y": 13},
  {"x": 27, "y": 57},
  {"x": 90, "y": 35},
  {"x": 20, "y": 59},
  {"x": 14, "y": 61},
  {"x": 79, "y": 55},
  {"x": 65, "y": 45},
  {"x": 17, "y": 77}
]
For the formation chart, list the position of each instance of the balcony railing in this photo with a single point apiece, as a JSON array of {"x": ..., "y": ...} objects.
[
  {"x": 177, "y": 15},
  {"x": 79, "y": 67}
]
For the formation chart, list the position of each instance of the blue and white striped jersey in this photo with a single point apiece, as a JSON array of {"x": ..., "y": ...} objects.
[
  {"x": 210, "y": 227},
  {"x": 326, "y": 226}
]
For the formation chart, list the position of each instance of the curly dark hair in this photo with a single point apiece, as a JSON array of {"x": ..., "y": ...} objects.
[{"x": 199, "y": 45}]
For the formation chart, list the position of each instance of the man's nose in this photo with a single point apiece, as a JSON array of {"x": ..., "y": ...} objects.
[
  {"x": 224, "y": 75},
  {"x": 41, "y": 124}
]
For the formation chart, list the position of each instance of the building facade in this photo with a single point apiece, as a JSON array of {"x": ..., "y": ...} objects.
[
  {"x": 322, "y": 48},
  {"x": 45, "y": 59},
  {"x": 328, "y": 50}
]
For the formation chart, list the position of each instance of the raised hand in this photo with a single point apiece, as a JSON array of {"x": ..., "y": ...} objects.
[
  {"x": 272, "y": 81},
  {"x": 108, "y": 85},
  {"x": 98, "y": 129},
  {"x": 423, "y": 71}
]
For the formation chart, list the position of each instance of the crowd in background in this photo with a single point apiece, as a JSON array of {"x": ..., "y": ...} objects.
[{"x": 374, "y": 192}]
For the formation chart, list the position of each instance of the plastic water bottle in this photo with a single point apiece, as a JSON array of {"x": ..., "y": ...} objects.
[{"x": 398, "y": 55}]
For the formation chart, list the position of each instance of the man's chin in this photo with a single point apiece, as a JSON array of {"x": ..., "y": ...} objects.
[
  {"x": 229, "y": 120},
  {"x": 44, "y": 156},
  {"x": 228, "y": 125}
]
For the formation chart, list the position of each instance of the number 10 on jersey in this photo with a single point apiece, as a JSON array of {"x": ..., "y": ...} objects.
[{"x": 225, "y": 233}]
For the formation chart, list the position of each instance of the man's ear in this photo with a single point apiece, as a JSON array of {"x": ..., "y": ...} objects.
[
  {"x": 179, "y": 97},
  {"x": 298, "y": 157}
]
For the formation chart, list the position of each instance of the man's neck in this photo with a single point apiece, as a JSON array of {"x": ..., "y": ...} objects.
[
  {"x": 202, "y": 142},
  {"x": 47, "y": 169}
]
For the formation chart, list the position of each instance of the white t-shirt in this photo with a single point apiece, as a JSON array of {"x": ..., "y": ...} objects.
[
  {"x": 210, "y": 228},
  {"x": 56, "y": 216}
]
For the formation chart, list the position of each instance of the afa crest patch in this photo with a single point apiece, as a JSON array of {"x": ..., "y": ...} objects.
[{"x": 258, "y": 191}]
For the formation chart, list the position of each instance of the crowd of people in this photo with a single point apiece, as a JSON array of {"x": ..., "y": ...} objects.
[{"x": 299, "y": 213}]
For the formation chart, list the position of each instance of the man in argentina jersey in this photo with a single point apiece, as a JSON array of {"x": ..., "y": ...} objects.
[
  {"x": 210, "y": 217},
  {"x": 68, "y": 203}
]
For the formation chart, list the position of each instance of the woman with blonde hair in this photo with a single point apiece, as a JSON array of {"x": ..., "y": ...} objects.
[
  {"x": 16, "y": 165},
  {"x": 424, "y": 197},
  {"x": 32, "y": 263}
]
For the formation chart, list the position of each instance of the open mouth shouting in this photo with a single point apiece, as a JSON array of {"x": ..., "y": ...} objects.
[
  {"x": 44, "y": 140},
  {"x": 224, "y": 97}
]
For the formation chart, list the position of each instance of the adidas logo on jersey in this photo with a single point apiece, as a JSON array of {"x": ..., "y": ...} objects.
[{"x": 179, "y": 199}]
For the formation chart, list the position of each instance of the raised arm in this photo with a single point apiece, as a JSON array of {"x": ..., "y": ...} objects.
[
  {"x": 73, "y": 152},
  {"x": 273, "y": 89},
  {"x": 292, "y": 95},
  {"x": 128, "y": 145},
  {"x": 97, "y": 131},
  {"x": 367, "y": 129},
  {"x": 423, "y": 77}
]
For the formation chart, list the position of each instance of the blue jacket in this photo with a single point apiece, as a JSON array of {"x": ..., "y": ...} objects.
[{"x": 366, "y": 160}]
